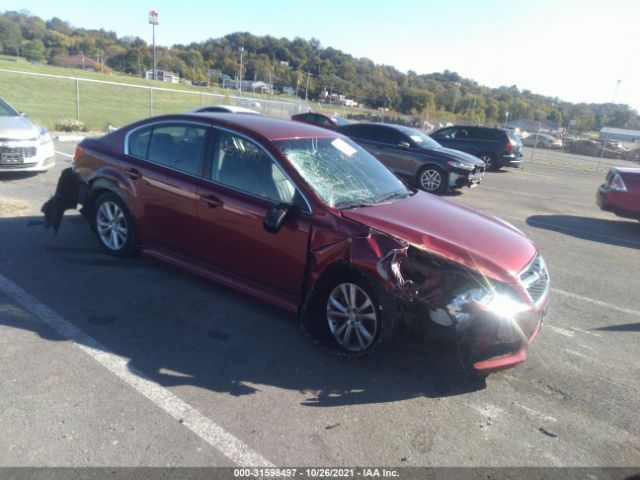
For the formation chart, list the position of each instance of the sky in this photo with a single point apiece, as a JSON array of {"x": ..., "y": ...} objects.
[{"x": 576, "y": 50}]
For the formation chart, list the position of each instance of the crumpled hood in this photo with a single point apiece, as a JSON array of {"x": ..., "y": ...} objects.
[
  {"x": 451, "y": 154},
  {"x": 480, "y": 242},
  {"x": 17, "y": 128}
]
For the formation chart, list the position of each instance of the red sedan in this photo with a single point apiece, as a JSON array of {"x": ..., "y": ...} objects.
[
  {"x": 304, "y": 218},
  {"x": 620, "y": 193}
]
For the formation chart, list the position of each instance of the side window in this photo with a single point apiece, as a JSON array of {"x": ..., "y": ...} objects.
[
  {"x": 322, "y": 121},
  {"x": 139, "y": 142},
  {"x": 240, "y": 164},
  {"x": 475, "y": 133},
  {"x": 389, "y": 136},
  {"x": 361, "y": 131},
  {"x": 461, "y": 133},
  {"x": 444, "y": 133},
  {"x": 178, "y": 146}
]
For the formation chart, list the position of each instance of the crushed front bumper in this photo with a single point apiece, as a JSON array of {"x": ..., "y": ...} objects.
[{"x": 459, "y": 177}]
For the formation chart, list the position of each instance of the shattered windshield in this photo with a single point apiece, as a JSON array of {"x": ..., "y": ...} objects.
[{"x": 342, "y": 173}]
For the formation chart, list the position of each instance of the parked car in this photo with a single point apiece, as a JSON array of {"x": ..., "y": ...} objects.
[
  {"x": 306, "y": 219},
  {"x": 224, "y": 109},
  {"x": 321, "y": 120},
  {"x": 542, "y": 140},
  {"x": 24, "y": 147},
  {"x": 620, "y": 193},
  {"x": 495, "y": 147},
  {"x": 415, "y": 157}
]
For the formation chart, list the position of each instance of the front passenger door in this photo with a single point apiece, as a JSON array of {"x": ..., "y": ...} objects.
[{"x": 241, "y": 183}]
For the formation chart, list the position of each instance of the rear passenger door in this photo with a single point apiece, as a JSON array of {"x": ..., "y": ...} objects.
[{"x": 165, "y": 163}]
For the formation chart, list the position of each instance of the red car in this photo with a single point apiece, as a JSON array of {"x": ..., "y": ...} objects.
[
  {"x": 620, "y": 193},
  {"x": 321, "y": 120},
  {"x": 304, "y": 218}
]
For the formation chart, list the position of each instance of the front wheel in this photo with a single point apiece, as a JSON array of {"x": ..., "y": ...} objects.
[
  {"x": 114, "y": 225},
  {"x": 432, "y": 179},
  {"x": 349, "y": 316}
]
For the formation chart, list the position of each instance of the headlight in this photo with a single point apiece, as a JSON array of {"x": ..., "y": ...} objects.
[
  {"x": 44, "y": 136},
  {"x": 501, "y": 302},
  {"x": 463, "y": 166}
]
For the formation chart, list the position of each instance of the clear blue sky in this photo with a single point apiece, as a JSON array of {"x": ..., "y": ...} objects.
[{"x": 572, "y": 49}]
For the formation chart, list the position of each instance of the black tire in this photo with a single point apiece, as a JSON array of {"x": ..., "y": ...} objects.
[
  {"x": 321, "y": 327},
  {"x": 116, "y": 234},
  {"x": 490, "y": 161},
  {"x": 432, "y": 179}
]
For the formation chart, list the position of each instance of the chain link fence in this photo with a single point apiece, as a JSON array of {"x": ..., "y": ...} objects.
[{"x": 50, "y": 100}]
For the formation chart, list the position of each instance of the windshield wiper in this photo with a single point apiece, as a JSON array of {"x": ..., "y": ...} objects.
[
  {"x": 356, "y": 204},
  {"x": 391, "y": 196}
]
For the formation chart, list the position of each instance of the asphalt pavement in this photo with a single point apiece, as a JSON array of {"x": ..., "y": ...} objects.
[{"x": 112, "y": 362}]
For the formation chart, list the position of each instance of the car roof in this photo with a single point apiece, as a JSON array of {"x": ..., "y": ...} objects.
[
  {"x": 270, "y": 128},
  {"x": 228, "y": 108}
]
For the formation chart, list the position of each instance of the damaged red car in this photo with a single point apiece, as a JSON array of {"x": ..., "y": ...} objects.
[{"x": 304, "y": 218}]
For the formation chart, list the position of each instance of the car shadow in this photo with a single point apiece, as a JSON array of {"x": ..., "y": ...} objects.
[
  {"x": 15, "y": 176},
  {"x": 622, "y": 233},
  {"x": 625, "y": 327},
  {"x": 178, "y": 329}
]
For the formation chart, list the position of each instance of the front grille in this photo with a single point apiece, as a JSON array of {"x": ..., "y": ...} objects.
[
  {"x": 25, "y": 152},
  {"x": 17, "y": 166},
  {"x": 535, "y": 279}
]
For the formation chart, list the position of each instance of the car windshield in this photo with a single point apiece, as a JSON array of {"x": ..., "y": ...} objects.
[
  {"x": 6, "y": 110},
  {"x": 421, "y": 139},
  {"x": 341, "y": 173}
]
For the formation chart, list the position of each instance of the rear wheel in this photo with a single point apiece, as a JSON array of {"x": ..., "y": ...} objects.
[
  {"x": 432, "y": 179},
  {"x": 489, "y": 161},
  {"x": 113, "y": 224}
]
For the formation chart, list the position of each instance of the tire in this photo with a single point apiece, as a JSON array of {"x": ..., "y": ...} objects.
[
  {"x": 114, "y": 225},
  {"x": 490, "y": 161},
  {"x": 345, "y": 328},
  {"x": 432, "y": 179}
]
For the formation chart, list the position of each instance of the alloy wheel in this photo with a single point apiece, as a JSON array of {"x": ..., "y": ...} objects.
[
  {"x": 112, "y": 225},
  {"x": 430, "y": 180},
  {"x": 352, "y": 317},
  {"x": 488, "y": 161}
]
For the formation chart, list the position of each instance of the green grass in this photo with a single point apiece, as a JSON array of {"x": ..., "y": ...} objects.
[{"x": 48, "y": 100}]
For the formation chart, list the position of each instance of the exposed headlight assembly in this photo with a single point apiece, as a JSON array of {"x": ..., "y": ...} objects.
[{"x": 463, "y": 166}]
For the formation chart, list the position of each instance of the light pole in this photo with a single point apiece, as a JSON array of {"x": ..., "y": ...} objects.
[
  {"x": 240, "y": 81},
  {"x": 606, "y": 136},
  {"x": 455, "y": 98},
  {"x": 506, "y": 118},
  {"x": 153, "y": 20},
  {"x": 306, "y": 90}
]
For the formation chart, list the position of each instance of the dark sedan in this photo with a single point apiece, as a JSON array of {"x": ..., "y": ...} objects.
[
  {"x": 620, "y": 194},
  {"x": 305, "y": 219},
  {"x": 331, "y": 122},
  {"x": 417, "y": 158}
]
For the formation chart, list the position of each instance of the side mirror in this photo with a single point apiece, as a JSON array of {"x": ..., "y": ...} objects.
[
  {"x": 404, "y": 145},
  {"x": 275, "y": 217},
  {"x": 23, "y": 114}
]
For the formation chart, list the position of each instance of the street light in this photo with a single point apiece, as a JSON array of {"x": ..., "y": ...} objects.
[
  {"x": 153, "y": 21},
  {"x": 455, "y": 98}
]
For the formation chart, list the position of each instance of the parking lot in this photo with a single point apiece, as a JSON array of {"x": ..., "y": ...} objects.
[{"x": 111, "y": 362}]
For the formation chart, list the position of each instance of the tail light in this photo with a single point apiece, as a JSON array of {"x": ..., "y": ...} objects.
[
  {"x": 615, "y": 182},
  {"x": 508, "y": 147},
  {"x": 78, "y": 153}
]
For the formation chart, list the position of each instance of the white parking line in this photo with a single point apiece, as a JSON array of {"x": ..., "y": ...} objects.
[
  {"x": 64, "y": 154},
  {"x": 535, "y": 413},
  {"x": 561, "y": 331},
  {"x": 597, "y": 302},
  {"x": 203, "y": 427}
]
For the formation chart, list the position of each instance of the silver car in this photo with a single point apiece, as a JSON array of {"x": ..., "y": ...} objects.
[{"x": 24, "y": 147}]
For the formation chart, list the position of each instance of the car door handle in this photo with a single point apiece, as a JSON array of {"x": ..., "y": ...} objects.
[
  {"x": 133, "y": 173},
  {"x": 211, "y": 201}
]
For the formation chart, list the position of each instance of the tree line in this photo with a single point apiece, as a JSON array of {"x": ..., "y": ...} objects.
[{"x": 301, "y": 63}]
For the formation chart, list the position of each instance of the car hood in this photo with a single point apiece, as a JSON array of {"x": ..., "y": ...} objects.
[
  {"x": 17, "y": 128},
  {"x": 458, "y": 233},
  {"x": 451, "y": 154}
]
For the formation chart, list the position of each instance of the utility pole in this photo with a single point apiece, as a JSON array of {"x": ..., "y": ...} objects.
[
  {"x": 455, "y": 98},
  {"x": 240, "y": 81},
  {"x": 306, "y": 90},
  {"x": 153, "y": 20}
]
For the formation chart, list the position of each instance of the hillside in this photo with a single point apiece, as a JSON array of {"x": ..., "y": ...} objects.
[{"x": 286, "y": 62}]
